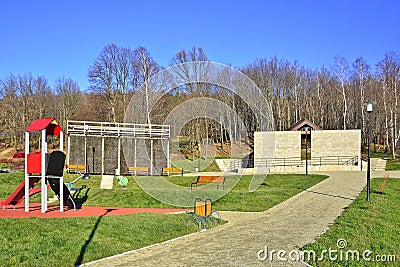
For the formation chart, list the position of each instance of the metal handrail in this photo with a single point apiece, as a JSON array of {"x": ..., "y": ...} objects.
[{"x": 298, "y": 162}]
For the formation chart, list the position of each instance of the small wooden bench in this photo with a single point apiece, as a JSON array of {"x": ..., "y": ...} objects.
[
  {"x": 76, "y": 168},
  {"x": 139, "y": 169},
  {"x": 166, "y": 171},
  {"x": 219, "y": 180}
]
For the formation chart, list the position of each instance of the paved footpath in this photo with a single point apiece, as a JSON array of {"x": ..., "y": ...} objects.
[{"x": 287, "y": 226}]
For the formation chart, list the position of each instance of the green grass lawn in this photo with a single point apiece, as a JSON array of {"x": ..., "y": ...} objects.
[
  {"x": 372, "y": 226},
  {"x": 72, "y": 241},
  {"x": 275, "y": 189},
  {"x": 393, "y": 164},
  {"x": 378, "y": 154}
]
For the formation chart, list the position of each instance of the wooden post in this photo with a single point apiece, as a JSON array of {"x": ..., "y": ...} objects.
[
  {"x": 68, "y": 148},
  {"x": 151, "y": 157},
  {"x": 26, "y": 172},
  {"x": 62, "y": 177},
  {"x": 168, "y": 158},
  {"x": 62, "y": 193},
  {"x": 61, "y": 141},
  {"x": 119, "y": 155},
  {"x": 86, "y": 152},
  {"x": 102, "y": 156},
  {"x": 43, "y": 171},
  {"x": 135, "y": 160}
]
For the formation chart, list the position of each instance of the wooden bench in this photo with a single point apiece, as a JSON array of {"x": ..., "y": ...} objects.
[
  {"x": 139, "y": 169},
  {"x": 76, "y": 168},
  {"x": 166, "y": 171},
  {"x": 219, "y": 180}
]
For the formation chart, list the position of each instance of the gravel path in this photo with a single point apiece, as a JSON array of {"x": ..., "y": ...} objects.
[{"x": 287, "y": 226}]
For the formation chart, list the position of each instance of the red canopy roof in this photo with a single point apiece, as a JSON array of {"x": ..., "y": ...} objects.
[{"x": 50, "y": 124}]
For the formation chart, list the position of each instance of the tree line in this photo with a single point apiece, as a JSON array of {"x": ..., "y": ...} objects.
[{"x": 332, "y": 98}]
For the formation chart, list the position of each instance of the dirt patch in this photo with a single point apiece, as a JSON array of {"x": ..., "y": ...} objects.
[
  {"x": 381, "y": 186},
  {"x": 7, "y": 153}
]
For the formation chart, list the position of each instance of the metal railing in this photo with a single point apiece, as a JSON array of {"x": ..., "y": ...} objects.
[{"x": 294, "y": 162}]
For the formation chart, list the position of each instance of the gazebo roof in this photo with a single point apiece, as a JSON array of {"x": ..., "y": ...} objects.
[
  {"x": 50, "y": 124},
  {"x": 304, "y": 122}
]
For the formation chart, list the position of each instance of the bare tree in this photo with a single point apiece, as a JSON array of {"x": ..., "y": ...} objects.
[
  {"x": 42, "y": 98},
  {"x": 144, "y": 67},
  {"x": 388, "y": 70},
  {"x": 191, "y": 87},
  {"x": 341, "y": 71},
  {"x": 10, "y": 108},
  {"x": 362, "y": 73},
  {"x": 69, "y": 99},
  {"x": 331, "y": 98},
  {"x": 25, "y": 98},
  {"x": 110, "y": 76}
]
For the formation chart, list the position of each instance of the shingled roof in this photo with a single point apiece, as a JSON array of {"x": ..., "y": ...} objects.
[{"x": 304, "y": 122}]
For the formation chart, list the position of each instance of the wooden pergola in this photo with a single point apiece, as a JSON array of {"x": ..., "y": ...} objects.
[{"x": 117, "y": 130}]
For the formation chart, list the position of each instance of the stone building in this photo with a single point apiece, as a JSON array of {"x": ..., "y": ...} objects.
[{"x": 305, "y": 144}]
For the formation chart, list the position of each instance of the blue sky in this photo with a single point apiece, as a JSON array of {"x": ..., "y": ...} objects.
[{"x": 63, "y": 38}]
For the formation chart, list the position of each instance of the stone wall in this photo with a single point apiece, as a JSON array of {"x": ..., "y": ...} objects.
[
  {"x": 336, "y": 143},
  {"x": 278, "y": 145}
]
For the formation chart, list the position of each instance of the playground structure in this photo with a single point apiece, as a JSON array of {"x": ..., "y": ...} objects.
[
  {"x": 42, "y": 166},
  {"x": 97, "y": 146},
  {"x": 84, "y": 176}
]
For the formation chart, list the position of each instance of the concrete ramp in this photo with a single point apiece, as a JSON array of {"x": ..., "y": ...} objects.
[
  {"x": 378, "y": 165},
  {"x": 226, "y": 165},
  {"x": 107, "y": 181}
]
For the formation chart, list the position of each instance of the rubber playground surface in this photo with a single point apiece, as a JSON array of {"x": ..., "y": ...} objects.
[{"x": 53, "y": 211}]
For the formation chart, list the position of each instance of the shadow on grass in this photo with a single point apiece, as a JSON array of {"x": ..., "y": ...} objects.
[
  {"x": 97, "y": 194},
  {"x": 378, "y": 192},
  {"x": 79, "y": 200},
  {"x": 84, "y": 247},
  {"x": 330, "y": 195}
]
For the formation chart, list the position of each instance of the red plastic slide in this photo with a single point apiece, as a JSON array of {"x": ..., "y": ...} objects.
[{"x": 19, "y": 193}]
